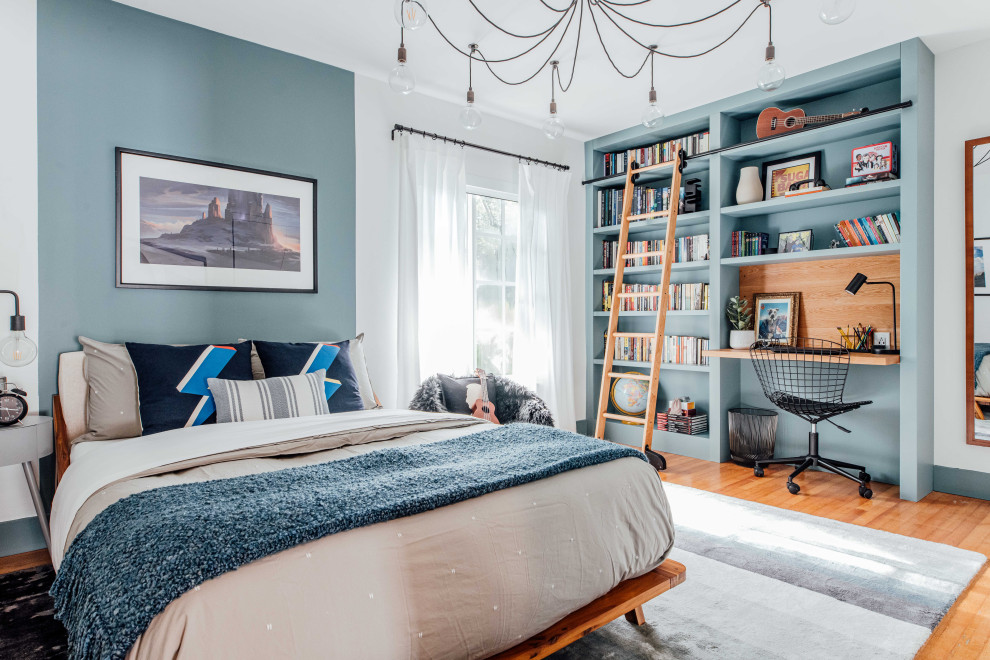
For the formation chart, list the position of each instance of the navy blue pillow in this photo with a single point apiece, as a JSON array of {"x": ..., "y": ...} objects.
[
  {"x": 172, "y": 388},
  {"x": 280, "y": 359}
]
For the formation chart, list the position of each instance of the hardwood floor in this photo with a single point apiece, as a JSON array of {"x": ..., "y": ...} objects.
[
  {"x": 960, "y": 521},
  {"x": 14, "y": 563}
]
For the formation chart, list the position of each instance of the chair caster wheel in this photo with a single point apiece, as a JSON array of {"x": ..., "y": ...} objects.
[
  {"x": 757, "y": 471},
  {"x": 864, "y": 476},
  {"x": 793, "y": 488},
  {"x": 658, "y": 462},
  {"x": 865, "y": 492}
]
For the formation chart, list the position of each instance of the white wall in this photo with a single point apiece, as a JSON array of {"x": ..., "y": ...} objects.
[
  {"x": 19, "y": 211},
  {"x": 961, "y": 101},
  {"x": 377, "y": 109}
]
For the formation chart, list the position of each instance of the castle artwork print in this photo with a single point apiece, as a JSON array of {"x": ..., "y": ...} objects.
[{"x": 198, "y": 225}]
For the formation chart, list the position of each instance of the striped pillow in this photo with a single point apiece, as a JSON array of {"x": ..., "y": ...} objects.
[{"x": 271, "y": 398}]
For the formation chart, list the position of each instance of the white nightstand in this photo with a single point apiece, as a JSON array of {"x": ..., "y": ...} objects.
[{"x": 26, "y": 443}]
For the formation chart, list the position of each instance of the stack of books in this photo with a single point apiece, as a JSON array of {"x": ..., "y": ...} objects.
[
  {"x": 688, "y": 425},
  {"x": 684, "y": 350},
  {"x": 680, "y": 297},
  {"x": 645, "y": 200},
  {"x": 870, "y": 230},
  {"x": 654, "y": 154},
  {"x": 636, "y": 349},
  {"x": 687, "y": 248},
  {"x": 749, "y": 243}
]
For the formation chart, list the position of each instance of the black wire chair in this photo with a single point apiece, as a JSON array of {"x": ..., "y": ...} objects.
[{"x": 807, "y": 379}]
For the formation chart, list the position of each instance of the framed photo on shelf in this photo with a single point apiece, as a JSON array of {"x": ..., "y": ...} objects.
[
  {"x": 777, "y": 316},
  {"x": 192, "y": 224},
  {"x": 796, "y": 241},
  {"x": 778, "y": 175},
  {"x": 981, "y": 254}
]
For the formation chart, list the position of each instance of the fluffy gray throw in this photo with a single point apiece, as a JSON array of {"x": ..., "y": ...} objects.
[
  {"x": 148, "y": 549},
  {"x": 514, "y": 402}
]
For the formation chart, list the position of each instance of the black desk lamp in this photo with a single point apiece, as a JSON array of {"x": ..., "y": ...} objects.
[{"x": 853, "y": 288}]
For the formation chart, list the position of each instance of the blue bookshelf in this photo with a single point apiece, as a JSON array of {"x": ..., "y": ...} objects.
[{"x": 895, "y": 437}]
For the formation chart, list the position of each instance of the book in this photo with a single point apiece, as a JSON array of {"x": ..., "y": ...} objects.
[
  {"x": 661, "y": 152},
  {"x": 880, "y": 229}
]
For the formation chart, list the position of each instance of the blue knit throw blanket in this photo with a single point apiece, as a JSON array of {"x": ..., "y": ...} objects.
[{"x": 146, "y": 550}]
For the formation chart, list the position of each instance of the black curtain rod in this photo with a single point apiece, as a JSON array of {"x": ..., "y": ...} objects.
[{"x": 405, "y": 129}]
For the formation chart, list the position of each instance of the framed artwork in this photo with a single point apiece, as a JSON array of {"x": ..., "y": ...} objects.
[
  {"x": 777, "y": 316},
  {"x": 192, "y": 224},
  {"x": 981, "y": 254},
  {"x": 874, "y": 159},
  {"x": 778, "y": 175},
  {"x": 796, "y": 241}
]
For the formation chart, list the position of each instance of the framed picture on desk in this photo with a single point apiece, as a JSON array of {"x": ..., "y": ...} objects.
[{"x": 777, "y": 316}]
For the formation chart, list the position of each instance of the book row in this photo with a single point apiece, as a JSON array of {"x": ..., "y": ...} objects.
[
  {"x": 686, "y": 248},
  {"x": 871, "y": 230},
  {"x": 681, "y": 297},
  {"x": 749, "y": 243},
  {"x": 645, "y": 200},
  {"x": 677, "y": 349},
  {"x": 654, "y": 154}
]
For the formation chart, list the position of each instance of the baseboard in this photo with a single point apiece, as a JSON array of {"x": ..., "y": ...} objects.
[
  {"x": 968, "y": 483},
  {"x": 24, "y": 560},
  {"x": 19, "y": 536}
]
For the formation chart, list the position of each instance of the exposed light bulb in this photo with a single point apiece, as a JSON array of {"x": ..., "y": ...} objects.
[
  {"x": 834, "y": 12},
  {"x": 17, "y": 350},
  {"x": 469, "y": 116},
  {"x": 401, "y": 78},
  {"x": 771, "y": 74},
  {"x": 553, "y": 126},
  {"x": 653, "y": 114},
  {"x": 411, "y": 14}
]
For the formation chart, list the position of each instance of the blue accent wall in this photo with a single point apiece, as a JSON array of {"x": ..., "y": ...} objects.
[{"x": 110, "y": 75}]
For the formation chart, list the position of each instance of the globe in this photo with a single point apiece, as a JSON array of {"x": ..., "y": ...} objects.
[{"x": 630, "y": 396}]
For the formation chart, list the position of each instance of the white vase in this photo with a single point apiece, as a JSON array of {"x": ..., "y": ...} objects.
[
  {"x": 741, "y": 338},
  {"x": 749, "y": 189}
]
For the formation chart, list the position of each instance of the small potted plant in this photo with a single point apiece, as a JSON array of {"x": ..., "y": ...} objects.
[{"x": 741, "y": 322}]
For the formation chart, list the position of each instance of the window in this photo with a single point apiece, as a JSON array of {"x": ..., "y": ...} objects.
[{"x": 495, "y": 223}]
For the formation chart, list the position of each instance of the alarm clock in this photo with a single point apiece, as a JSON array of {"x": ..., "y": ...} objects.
[{"x": 13, "y": 405}]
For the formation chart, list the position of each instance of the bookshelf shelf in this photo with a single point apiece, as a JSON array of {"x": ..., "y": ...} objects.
[
  {"x": 866, "y": 192},
  {"x": 700, "y": 368},
  {"x": 696, "y": 165},
  {"x": 640, "y": 270},
  {"x": 660, "y": 224},
  {"x": 814, "y": 255}
]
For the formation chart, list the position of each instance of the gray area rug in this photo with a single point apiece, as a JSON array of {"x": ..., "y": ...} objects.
[{"x": 768, "y": 583}]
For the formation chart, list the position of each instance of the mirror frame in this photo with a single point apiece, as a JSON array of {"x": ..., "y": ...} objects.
[{"x": 970, "y": 299}]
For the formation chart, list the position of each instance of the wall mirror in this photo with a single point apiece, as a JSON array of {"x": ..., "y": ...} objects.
[{"x": 978, "y": 281}]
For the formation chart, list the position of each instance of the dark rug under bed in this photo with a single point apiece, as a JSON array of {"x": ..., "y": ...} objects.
[{"x": 28, "y": 629}]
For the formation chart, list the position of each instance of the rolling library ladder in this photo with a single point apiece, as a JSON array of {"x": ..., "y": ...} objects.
[{"x": 663, "y": 293}]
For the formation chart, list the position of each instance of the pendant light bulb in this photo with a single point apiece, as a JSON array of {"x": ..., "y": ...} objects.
[
  {"x": 401, "y": 79},
  {"x": 17, "y": 350},
  {"x": 771, "y": 74},
  {"x": 653, "y": 113},
  {"x": 834, "y": 12},
  {"x": 553, "y": 126},
  {"x": 469, "y": 116},
  {"x": 411, "y": 14}
]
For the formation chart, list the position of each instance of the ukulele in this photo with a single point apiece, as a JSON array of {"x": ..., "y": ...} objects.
[
  {"x": 774, "y": 121},
  {"x": 482, "y": 408}
]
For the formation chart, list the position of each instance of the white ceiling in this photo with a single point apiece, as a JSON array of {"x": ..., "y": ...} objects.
[{"x": 362, "y": 36}]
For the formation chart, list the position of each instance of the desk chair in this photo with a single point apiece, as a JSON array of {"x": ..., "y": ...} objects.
[{"x": 807, "y": 379}]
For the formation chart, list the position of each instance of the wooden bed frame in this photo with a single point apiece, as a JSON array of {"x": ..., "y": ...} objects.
[{"x": 627, "y": 598}]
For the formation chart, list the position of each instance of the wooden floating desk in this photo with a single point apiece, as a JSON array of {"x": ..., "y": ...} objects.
[{"x": 870, "y": 359}]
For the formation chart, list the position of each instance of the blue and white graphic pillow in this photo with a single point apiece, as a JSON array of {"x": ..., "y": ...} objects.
[
  {"x": 280, "y": 359},
  {"x": 172, "y": 381}
]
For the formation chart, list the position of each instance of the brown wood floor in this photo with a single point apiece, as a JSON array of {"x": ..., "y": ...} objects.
[{"x": 960, "y": 521}]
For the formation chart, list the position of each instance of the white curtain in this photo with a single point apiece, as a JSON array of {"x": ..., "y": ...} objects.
[
  {"x": 542, "y": 355},
  {"x": 435, "y": 307}
]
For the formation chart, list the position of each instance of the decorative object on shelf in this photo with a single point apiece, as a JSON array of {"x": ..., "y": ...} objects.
[
  {"x": 752, "y": 435},
  {"x": 191, "y": 224},
  {"x": 857, "y": 338},
  {"x": 13, "y": 405},
  {"x": 853, "y": 288},
  {"x": 781, "y": 173},
  {"x": 412, "y": 14},
  {"x": 692, "y": 196},
  {"x": 796, "y": 241},
  {"x": 774, "y": 121},
  {"x": 833, "y": 244},
  {"x": 749, "y": 189},
  {"x": 834, "y": 12},
  {"x": 796, "y": 189},
  {"x": 17, "y": 349},
  {"x": 981, "y": 253},
  {"x": 777, "y": 316},
  {"x": 629, "y": 396},
  {"x": 874, "y": 159},
  {"x": 740, "y": 317}
]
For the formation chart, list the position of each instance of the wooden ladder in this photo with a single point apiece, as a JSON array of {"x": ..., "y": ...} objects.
[{"x": 667, "y": 255}]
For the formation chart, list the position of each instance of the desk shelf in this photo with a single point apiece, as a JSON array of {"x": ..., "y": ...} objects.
[{"x": 869, "y": 359}]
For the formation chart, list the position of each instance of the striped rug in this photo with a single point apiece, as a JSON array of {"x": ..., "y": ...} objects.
[{"x": 769, "y": 583}]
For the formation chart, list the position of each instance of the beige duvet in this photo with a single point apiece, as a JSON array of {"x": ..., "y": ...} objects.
[{"x": 464, "y": 581}]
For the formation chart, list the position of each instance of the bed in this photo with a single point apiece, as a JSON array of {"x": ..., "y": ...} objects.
[{"x": 519, "y": 572}]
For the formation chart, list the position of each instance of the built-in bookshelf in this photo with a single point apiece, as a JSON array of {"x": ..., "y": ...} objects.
[{"x": 898, "y": 444}]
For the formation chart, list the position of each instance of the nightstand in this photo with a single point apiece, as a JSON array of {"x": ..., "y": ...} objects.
[{"x": 26, "y": 443}]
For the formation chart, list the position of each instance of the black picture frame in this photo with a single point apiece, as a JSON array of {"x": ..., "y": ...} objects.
[
  {"x": 815, "y": 161},
  {"x": 120, "y": 152}
]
